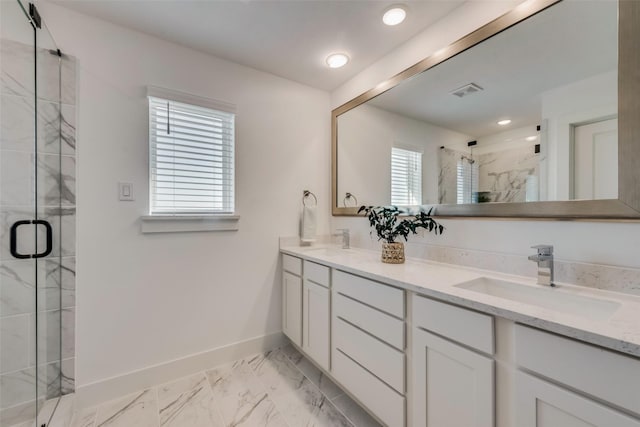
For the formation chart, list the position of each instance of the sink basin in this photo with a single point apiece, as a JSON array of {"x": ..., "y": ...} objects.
[{"x": 549, "y": 298}]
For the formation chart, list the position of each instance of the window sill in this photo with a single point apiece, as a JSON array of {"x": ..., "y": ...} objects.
[{"x": 188, "y": 223}]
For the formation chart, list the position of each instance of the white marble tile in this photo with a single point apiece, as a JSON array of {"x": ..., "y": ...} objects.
[
  {"x": 30, "y": 423},
  {"x": 62, "y": 222},
  {"x": 17, "y": 288},
  {"x": 277, "y": 373},
  {"x": 23, "y": 414},
  {"x": 68, "y": 77},
  {"x": 64, "y": 412},
  {"x": 17, "y": 178},
  {"x": 14, "y": 343},
  {"x": 136, "y": 410},
  {"x": 68, "y": 322},
  {"x": 17, "y": 387},
  {"x": 84, "y": 418},
  {"x": 242, "y": 398},
  {"x": 47, "y": 72},
  {"x": 49, "y": 380},
  {"x": 68, "y": 281},
  {"x": 188, "y": 402},
  {"x": 307, "y": 406},
  {"x": 16, "y": 72},
  {"x": 67, "y": 367},
  {"x": 26, "y": 236},
  {"x": 68, "y": 130},
  {"x": 313, "y": 373},
  {"x": 354, "y": 412},
  {"x": 45, "y": 410},
  {"x": 56, "y": 126},
  {"x": 292, "y": 353},
  {"x": 16, "y": 123},
  {"x": 56, "y": 180},
  {"x": 56, "y": 283},
  {"x": 47, "y": 331}
]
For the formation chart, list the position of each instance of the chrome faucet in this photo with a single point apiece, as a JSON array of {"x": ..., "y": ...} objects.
[
  {"x": 544, "y": 258},
  {"x": 345, "y": 237}
]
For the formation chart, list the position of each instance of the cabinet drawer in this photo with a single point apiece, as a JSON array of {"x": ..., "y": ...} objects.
[
  {"x": 607, "y": 375},
  {"x": 382, "y": 297},
  {"x": 317, "y": 273},
  {"x": 380, "y": 399},
  {"x": 292, "y": 264},
  {"x": 377, "y": 357},
  {"x": 455, "y": 323},
  {"x": 387, "y": 328}
]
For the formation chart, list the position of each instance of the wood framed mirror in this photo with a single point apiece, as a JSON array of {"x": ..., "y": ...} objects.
[{"x": 565, "y": 73}]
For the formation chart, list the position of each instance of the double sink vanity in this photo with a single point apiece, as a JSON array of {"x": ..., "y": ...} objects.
[{"x": 432, "y": 344}]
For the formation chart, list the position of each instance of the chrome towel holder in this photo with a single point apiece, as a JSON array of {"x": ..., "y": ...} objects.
[
  {"x": 306, "y": 194},
  {"x": 349, "y": 196}
]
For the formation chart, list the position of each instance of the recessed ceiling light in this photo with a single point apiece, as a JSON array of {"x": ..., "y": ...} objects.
[
  {"x": 394, "y": 15},
  {"x": 504, "y": 122},
  {"x": 531, "y": 138},
  {"x": 337, "y": 60}
]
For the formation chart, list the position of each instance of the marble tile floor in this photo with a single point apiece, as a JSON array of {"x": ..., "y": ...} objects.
[{"x": 279, "y": 388}]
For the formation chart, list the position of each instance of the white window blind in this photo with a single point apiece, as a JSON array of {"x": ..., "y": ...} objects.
[
  {"x": 406, "y": 177},
  {"x": 191, "y": 159},
  {"x": 467, "y": 181}
]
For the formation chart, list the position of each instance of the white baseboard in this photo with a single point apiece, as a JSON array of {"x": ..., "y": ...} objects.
[{"x": 101, "y": 391}]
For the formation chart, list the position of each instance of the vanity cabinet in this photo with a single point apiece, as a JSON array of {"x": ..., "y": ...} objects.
[
  {"x": 368, "y": 342},
  {"x": 453, "y": 385},
  {"x": 466, "y": 368},
  {"x": 292, "y": 298},
  {"x": 316, "y": 312}
]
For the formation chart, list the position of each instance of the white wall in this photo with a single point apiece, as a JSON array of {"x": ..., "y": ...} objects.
[
  {"x": 148, "y": 299},
  {"x": 598, "y": 242},
  {"x": 367, "y": 135},
  {"x": 591, "y": 99}
]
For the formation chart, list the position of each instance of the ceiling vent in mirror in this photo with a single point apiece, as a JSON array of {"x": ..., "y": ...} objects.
[{"x": 466, "y": 90}]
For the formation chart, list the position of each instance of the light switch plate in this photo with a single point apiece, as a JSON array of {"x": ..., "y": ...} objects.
[{"x": 125, "y": 191}]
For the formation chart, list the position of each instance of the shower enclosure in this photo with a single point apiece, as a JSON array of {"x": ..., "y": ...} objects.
[{"x": 37, "y": 212}]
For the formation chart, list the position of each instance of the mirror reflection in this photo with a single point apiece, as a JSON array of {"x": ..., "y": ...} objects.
[{"x": 527, "y": 115}]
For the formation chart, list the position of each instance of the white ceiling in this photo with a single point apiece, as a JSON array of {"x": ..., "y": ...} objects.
[
  {"x": 568, "y": 42},
  {"x": 289, "y": 38}
]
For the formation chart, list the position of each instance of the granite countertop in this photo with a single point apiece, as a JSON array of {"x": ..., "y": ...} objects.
[{"x": 619, "y": 331}]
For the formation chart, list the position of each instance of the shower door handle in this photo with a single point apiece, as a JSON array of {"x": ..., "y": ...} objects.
[
  {"x": 49, "y": 237},
  {"x": 13, "y": 245}
]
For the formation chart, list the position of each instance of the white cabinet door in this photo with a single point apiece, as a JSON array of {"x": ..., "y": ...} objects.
[
  {"x": 316, "y": 323},
  {"x": 292, "y": 307},
  {"x": 542, "y": 404},
  {"x": 452, "y": 386}
]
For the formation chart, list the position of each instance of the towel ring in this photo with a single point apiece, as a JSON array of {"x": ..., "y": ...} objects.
[
  {"x": 306, "y": 194},
  {"x": 347, "y": 197}
]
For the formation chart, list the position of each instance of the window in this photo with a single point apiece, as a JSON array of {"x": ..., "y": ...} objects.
[
  {"x": 467, "y": 181},
  {"x": 406, "y": 177},
  {"x": 191, "y": 156}
]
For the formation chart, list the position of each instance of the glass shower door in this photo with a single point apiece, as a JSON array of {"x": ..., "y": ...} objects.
[
  {"x": 30, "y": 212},
  {"x": 49, "y": 207}
]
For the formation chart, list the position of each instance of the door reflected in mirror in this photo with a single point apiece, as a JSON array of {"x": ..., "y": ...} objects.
[{"x": 527, "y": 115}]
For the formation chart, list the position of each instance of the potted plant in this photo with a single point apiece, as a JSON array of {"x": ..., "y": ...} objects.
[{"x": 389, "y": 227}]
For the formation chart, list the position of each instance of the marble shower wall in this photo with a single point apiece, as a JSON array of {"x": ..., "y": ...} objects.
[
  {"x": 448, "y": 176},
  {"x": 503, "y": 174},
  {"x": 52, "y": 313}
]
